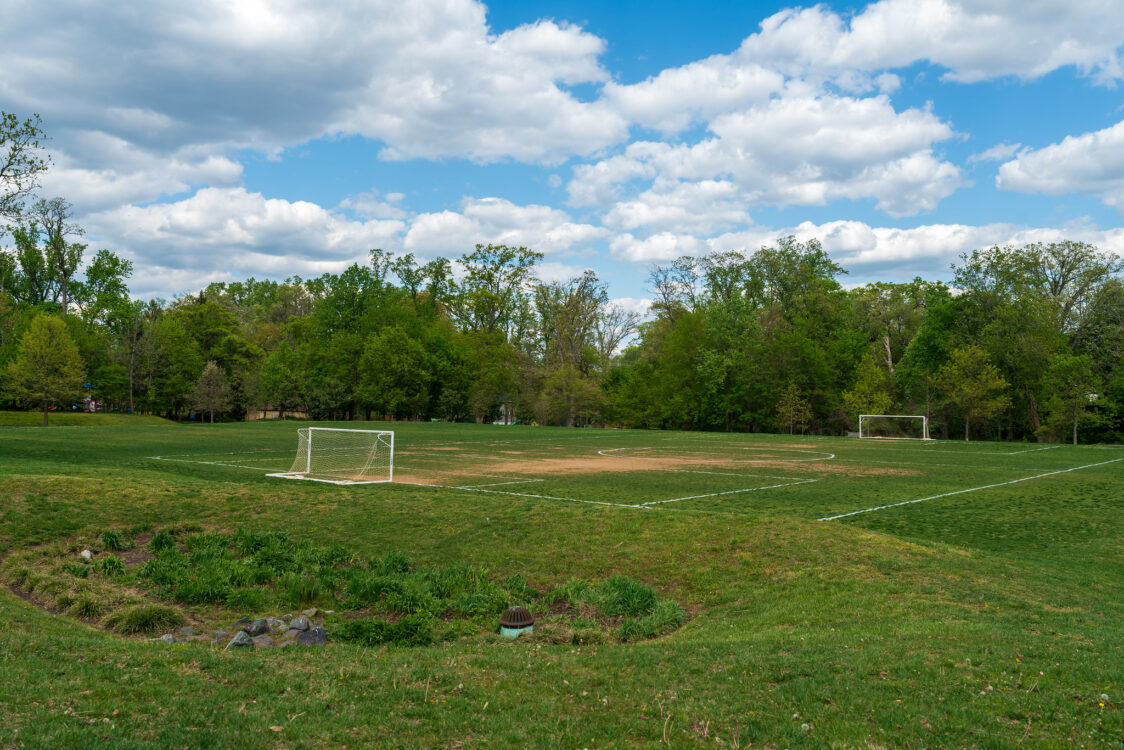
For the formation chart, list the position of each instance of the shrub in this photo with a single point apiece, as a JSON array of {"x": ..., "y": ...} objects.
[
  {"x": 666, "y": 616},
  {"x": 111, "y": 541},
  {"x": 412, "y": 630},
  {"x": 246, "y": 600},
  {"x": 85, "y": 606},
  {"x": 162, "y": 542},
  {"x": 111, "y": 565},
  {"x": 364, "y": 589},
  {"x": 299, "y": 589},
  {"x": 78, "y": 570},
  {"x": 620, "y": 596},
  {"x": 392, "y": 563},
  {"x": 144, "y": 618}
]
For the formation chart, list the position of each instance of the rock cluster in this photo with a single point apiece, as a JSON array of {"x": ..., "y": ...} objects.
[{"x": 262, "y": 632}]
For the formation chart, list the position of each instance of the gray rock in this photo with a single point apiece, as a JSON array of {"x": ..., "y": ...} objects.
[
  {"x": 87, "y": 554},
  {"x": 167, "y": 638},
  {"x": 187, "y": 631},
  {"x": 221, "y": 635},
  {"x": 291, "y": 633},
  {"x": 240, "y": 623},
  {"x": 241, "y": 639},
  {"x": 300, "y": 623},
  {"x": 257, "y": 627},
  {"x": 283, "y": 644},
  {"x": 262, "y": 641},
  {"x": 314, "y": 637},
  {"x": 276, "y": 624},
  {"x": 310, "y": 612}
]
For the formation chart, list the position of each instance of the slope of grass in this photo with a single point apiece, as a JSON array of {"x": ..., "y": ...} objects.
[
  {"x": 77, "y": 419},
  {"x": 989, "y": 619}
]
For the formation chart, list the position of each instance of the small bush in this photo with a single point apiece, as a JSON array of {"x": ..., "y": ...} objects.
[
  {"x": 78, "y": 570},
  {"x": 111, "y": 565},
  {"x": 111, "y": 541},
  {"x": 666, "y": 616},
  {"x": 413, "y": 598},
  {"x": 299, "y": 589},
  {"x": 620, "y": 596},
  {"x": 412, "y": 630},
  {"x": 63, "y": 602},
  {"x": 144, "y": 618},
  {"x": 392, "y": 563},
  {"x": 246, "y": 600},
  {"x": 85, "y": 606},
  {"x": 162, "y": 542}
]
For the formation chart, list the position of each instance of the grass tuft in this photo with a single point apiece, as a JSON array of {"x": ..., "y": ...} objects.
[{"x": 143, "y": 618}]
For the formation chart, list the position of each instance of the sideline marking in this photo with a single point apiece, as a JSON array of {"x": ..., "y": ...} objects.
[
  {"x": 210, "y": 463},
  {"x": 727, "y": 492},
  {"x": 521, "y": 494},
  {"x": 970, "y": 489}
]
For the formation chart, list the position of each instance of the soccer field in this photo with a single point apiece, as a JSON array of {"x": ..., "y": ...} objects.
[
  {"x": 839, "y": 591},
  {"x": 812, "y": 477}
]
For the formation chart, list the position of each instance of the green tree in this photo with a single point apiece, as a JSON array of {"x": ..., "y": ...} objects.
[
  {"x": 21, "y": 163},
  {"x": 973, "y": 386},
  {"x": 211, "y": 392},
  {"x": 394, "y": 378},
  {"x": 487, "y": 299},
  {"x": 1074, "y": 389},
  {"x": 47, "y": 369},
  {"x": 104, "y": 289},
  {"x": 871, "y": 391},
  {"x": 793, "y": 410},
  {"x": 63, "y": 257}
]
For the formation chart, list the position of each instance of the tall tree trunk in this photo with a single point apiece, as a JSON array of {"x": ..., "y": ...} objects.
[
  {"x": 889, "y": 354},
  {"x": 1035, "y": 420},
  {"x": 965, "y": 429},
  {"x": 1076, "y": 406},
  {"x": 45, "y": 414}
]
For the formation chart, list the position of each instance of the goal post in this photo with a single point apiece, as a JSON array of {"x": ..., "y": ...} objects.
[
  {"x": 894, "y": 426},
  {"x": 342, "y": 456}
]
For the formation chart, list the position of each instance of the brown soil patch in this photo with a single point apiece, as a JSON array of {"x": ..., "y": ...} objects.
[{"x": 597, "y": 464}]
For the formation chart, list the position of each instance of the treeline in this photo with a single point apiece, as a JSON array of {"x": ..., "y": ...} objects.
[
  {"x": 1023, "y": 343},
  {"x": 1029, "y": 345}
]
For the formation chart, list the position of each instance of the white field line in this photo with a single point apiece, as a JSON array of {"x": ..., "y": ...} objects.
[
  {"x": 970, "y": 489},
  {"x": 211, "y": 463},
  {"x": 497, "y": 484},
  {"x": 724, "y": 459},
  {"x": 727, "y": 492},
  {"x": 926, "y": 464},
  {"x": 521, "y": 494},
  {"x": 729, "y": 474},
  {"x": 997, "y": 453}
]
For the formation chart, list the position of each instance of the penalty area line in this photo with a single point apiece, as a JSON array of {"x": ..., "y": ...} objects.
[{"x": 970, "y": 489}]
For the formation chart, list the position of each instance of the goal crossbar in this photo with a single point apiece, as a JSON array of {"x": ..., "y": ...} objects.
[
  {"x": 339, "y": 455},
  {"x": 864, "y": 419}
]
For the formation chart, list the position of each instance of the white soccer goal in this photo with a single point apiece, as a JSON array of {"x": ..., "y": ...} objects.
[
  {"x": 340, "y": 456},
  {"x": 894, "y": 426}
]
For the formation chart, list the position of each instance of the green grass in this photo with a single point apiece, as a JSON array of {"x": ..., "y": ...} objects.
[
  {"x": 983, "y": 619},
  {"x": 76, "y": 419}
]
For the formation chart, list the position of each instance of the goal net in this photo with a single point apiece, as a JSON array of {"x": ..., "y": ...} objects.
[
  {"x": 894, "y": 426},
  {"x": 340, "y": 456}
]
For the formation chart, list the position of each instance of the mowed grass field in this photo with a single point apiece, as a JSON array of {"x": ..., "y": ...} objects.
[{"x": 986, "y": 614}]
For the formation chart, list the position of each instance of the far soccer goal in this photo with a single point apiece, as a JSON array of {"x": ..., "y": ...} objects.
[
  {"x": 340, "y": 456},
  {"x": 894, "y": 426}
]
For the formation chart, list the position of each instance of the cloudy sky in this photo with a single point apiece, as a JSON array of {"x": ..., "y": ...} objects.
[{"x": 211, "y": 141}]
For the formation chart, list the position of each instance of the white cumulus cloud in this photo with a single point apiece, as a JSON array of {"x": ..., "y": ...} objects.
[{"x": 1088, "y": 164}]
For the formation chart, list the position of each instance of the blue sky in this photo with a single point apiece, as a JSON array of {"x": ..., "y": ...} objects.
[{"x": 216, "y": 141}]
